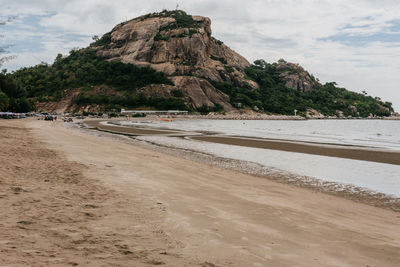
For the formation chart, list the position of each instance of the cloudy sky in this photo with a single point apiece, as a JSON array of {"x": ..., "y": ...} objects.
[{"x": 355, "y": 43}]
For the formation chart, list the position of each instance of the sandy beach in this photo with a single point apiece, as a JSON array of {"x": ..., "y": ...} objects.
[{"x": 70, "y": 198}]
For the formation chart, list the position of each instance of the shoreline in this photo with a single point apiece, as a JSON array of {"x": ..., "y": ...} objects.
[
  {"x": 346, "y": 191},
  {"x": 332, "y": 150},
  {"x": 260, "y": 116}
]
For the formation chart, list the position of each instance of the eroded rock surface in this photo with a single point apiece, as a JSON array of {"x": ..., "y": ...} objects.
[
  {"x": 296, "y": 77},
  {"x": 185, "y": 51}
]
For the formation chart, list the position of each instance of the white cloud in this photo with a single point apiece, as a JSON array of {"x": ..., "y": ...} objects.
[{"x": 299, "y": 31}]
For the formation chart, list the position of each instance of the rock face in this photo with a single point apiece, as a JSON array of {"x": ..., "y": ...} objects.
[
  {"x": 295, "y": 77},
  {"x": 201, "y": 92},
  {"x": 314, "y": 114},
  {"x": 181, "y": 46}
]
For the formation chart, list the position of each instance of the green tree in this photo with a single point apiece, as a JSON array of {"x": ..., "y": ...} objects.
[{"x": 4, "y": 101}]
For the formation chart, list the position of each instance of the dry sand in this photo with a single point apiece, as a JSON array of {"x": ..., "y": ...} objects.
[{"x": 69, "y": 198}]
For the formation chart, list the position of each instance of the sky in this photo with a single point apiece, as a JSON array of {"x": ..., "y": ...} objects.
[{"x": 354, "y": 43}]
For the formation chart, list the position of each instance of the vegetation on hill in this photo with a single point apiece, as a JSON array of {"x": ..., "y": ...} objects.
[
  {"x": 13, "y": 97},
  {"x": 182, "y": 19},
  {"x": 132, "y": 101},
  {"x": 84, "y": 69},
  {"x": 105, "y": 40},
  {"x": 274, "y": 97}
]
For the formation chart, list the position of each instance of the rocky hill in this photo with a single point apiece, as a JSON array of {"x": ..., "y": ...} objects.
[
  {"x": 169, "y": 60},
  {"x": 295, "y": 77},
  {"x": 181, "y": 46}
]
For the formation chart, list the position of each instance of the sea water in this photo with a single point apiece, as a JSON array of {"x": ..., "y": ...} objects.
[
  {"x": 378, "y": 177},
  {"x": 371, "y": 133}
]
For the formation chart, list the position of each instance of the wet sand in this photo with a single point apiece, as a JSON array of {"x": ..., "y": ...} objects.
[
  {"x": 366, "y": 154},
  {"x": 349, "y": 152},
  {"x": 133, "y": 131},
  {"x": 86, "y": 200}
]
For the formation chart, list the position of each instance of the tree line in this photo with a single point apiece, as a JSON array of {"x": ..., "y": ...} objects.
[
  {"x": 83, "y": 69},
  {"x": 274, "y": 97}
]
